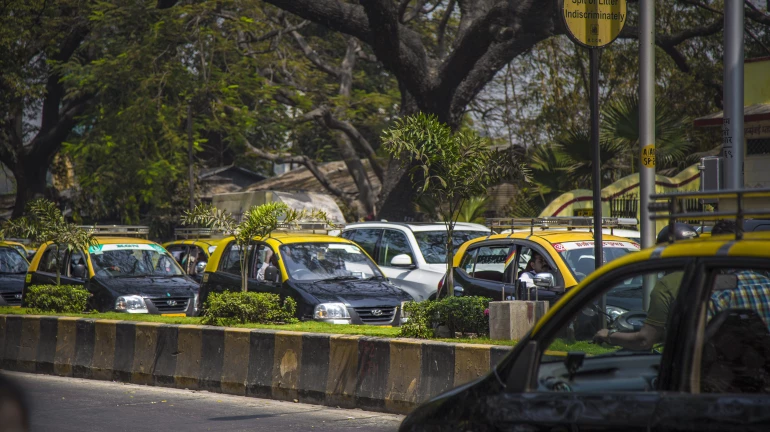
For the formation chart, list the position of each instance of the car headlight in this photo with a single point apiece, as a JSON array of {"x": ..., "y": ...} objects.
[
  {"x": 195, "y": 302},
  {"x": 331, "y": 311},
  {"x": 131, "y": 304},
  {"x": 615, "y": 312}
]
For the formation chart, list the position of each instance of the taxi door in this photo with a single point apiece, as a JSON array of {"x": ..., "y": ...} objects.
[
  {"x": 559, "y": 380},
  {"x": 264, "y": 256},
  {"x": 485, "y": 271}
]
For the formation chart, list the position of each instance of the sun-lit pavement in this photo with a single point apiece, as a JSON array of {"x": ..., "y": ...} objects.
[{"x": 69, "y": 404}]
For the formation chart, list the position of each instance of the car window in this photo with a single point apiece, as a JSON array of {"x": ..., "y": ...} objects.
[
  {"x": 231, "y": 259},
  {"x": 133, "y": 260},
  {"x": 52, "y": 258},
  {"x": 468, "y": 260},
  {"x": 265, "y": 256},
  {"x": 177, "y": 251},
  {"x": 609, "y": 353},
  {"x": 11, "y": 262},
  {"x": 579, "y": 256},
  {"x": 393, "y": 243},
  {"x": 327, "y": 261},
  {"x": 76, "y": 259},
  {"x": 367, "y": 239},
  {"x": 491, "y": 262},
  {"x": 432, "y": 244},
  {"x": 736, "y": 347}
]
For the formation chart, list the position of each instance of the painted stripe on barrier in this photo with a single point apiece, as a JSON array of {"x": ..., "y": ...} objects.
[
  {"x": 12, "y": 342},
  {"x": 373, "y": 369},
  {"x": 65, "y": 346},
  {"x": 212, "y": 356},
  {"x": 471, "y": 362},
  {"x": 314, "y": 368},
  {"x": 188, "y": 359},
  {"x": 125, "y": 342},
  {"x": 403, "y": 376},
  {"x": 84, "y": 348},
  {"x": 46, "y": 347},
  {"x": 165, "y": 355},
  {"x": 104, "y": 350},
  {"x": 286, "y": 364},
  {"x": 30, "y": 335},
  {"x": 235, "y": 369},
  {"x": 343, "y": 371},
  {"x": 261, "y": 355},
  {"x": 145, "y": 342},
  {"x": 437, "y": 368}
]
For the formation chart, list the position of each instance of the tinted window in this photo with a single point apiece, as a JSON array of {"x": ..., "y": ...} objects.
[
  {"x": 52, "y": 259},
  {"x": 231, "y": 259},
  {"x": 393, "y": 243},
  {"x": 432, "y": 244},
  {"x": 366, "y": 238}
]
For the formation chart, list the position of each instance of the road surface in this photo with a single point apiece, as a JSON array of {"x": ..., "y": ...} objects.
[{"x": 71, "y": 404}]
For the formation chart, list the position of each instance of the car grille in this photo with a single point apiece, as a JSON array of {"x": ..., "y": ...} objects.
[
  {"x": 170, "y": 304},
  {"x": 369, "y": 315},
  {"x": 11, "y": 299}
]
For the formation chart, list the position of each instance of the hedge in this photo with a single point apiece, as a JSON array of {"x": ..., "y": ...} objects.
[
  {"x": 56, "y": 298},
  {"x": 466, "y": 315},
  {"x": 229, "y": 308}
]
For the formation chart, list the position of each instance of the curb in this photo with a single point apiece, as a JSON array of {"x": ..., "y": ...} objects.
[{"x": 377, "y": 374}]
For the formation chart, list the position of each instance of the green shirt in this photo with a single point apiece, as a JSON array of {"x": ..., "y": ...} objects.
[{"x": 662, "y": 297}]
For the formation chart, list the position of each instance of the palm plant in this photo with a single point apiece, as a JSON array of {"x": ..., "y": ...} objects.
[
  {"x": 257, "y": 222},
  {"x": 575, "y": 148},
  {"x": 44, "y": 223},
  {"x": 620, "y": 123}
]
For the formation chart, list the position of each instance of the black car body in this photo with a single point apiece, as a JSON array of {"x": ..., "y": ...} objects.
[
  {"x": 156, "y": 286},
  {"x": 357, "y": 286},
  {"x": 13, "y": 267}
]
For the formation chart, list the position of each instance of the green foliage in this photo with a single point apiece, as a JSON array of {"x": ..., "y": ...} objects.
[
  {"x": 56, "y": 298},
  {"x": 230, "y": 308},
  {"x": 465, "y": 315},
  {"x": 45, "y": 222}
]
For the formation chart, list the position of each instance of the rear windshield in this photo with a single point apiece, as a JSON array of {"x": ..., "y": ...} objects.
[{"x": 433, "y": 243}]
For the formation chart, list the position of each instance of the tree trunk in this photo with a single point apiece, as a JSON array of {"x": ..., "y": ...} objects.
[
  {"x": 31, "y": 182},
  {"x": 450, "y": 280}
]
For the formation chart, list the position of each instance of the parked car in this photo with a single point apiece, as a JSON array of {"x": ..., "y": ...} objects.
[
  {"x": 13, "y": 266},
  {"x": 712, "y": 371},
  {"x": 412, "y": 255},
  {"x": 331, "y": 279},
  {"x": 123, "y": 274},
  {"x": 192, "y": 249}
]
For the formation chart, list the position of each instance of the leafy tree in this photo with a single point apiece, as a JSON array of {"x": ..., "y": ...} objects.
[
  {"x": 257, "y": 222},
  {"x": 447, "y": 167},
  {"x": 45, "y": 223}
]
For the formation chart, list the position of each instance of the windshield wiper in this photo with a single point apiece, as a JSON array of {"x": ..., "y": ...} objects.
[
  {"x": 375, "y": 277},
  {"x": 337, "y": 278},
  {"x": 131, "y": 276}
]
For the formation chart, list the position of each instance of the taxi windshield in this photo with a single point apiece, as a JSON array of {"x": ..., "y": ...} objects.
[
  {"x": 579, "y": 256},
  {"x": 327, "y": 261},
  {"x": 11, "y": 262},
  {"x": 133, "y": 260},
  {"x": 433, "y": 243}
]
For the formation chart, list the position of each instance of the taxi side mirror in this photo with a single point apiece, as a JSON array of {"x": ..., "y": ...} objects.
[
  {"x": 271, "y": 274},
  {"x": 543, "y": 280},
  {"x": 200, "y": 267}
]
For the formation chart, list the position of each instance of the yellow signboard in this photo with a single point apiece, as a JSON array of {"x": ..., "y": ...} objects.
[
  {"x": 648, "y": 156},
  {"x": 594, "y": 23}
]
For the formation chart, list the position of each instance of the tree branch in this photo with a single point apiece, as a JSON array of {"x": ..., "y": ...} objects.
[
  {"x": 440, "y": 38},
  {"x": 337, "y": 15},
  {"x": 313, "y": 56}
]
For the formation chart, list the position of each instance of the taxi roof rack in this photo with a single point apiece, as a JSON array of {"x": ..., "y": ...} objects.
[
  {"x": 118, "y": 230},
  {"x": 196, "y": 233},
  {"x": 308, "y": 227},
  {"x": 671, "y": 207},
  {"x": 568, "y": 222}
]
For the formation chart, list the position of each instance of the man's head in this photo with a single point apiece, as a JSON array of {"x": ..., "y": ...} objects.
[
  {"x": 538, "y": 263},
  {"x": 682, "y": 231}
]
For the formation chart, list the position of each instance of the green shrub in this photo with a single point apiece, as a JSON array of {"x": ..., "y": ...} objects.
[
  {"x": 239, "y": 307},
  {"x": 459, "y": 314},
  {"x": 56, "y": 298}
]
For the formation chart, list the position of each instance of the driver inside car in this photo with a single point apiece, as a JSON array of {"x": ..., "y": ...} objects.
[
  {"x": 662, "y": 298},
  {"x": 537, "y": 264}
]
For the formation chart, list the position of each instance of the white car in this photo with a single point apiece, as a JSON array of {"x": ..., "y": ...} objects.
[{"x": 412, "y": 255}]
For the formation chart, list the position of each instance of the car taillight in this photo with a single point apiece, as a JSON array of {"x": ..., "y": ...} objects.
[{"x": 441, "y": 283}]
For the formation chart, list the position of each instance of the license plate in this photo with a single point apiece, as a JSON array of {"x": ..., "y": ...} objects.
[{"x": 175, "y": 315}]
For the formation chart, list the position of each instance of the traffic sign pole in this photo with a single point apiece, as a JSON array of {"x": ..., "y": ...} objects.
[
  {"x": 597, "y": 170},
  {"x": 646, "y": 132}
]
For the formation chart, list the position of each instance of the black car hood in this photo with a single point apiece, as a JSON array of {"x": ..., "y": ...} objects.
[
  {"x": 356, "y": 293},
  {"x": 11, "y": 282},
  {"x": 150, "y": 286}
]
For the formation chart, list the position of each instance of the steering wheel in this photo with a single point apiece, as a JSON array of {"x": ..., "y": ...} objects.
[{"x": 297, "y": 274}]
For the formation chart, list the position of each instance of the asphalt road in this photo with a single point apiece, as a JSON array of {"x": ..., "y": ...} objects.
[{"x": 70, "y": 404}]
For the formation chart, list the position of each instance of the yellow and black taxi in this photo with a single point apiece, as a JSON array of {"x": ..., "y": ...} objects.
[
  {"x": 192, "y": 248},
  {"x": 708, "y": 368},
  {"x": 123, "y": 274},
  {"x": 502, "y": 266},
  {"x": 13, "y": 266},
  {"x": 331, "y": 278}
]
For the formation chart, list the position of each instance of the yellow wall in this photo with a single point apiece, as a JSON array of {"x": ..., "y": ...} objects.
[
  {"x": 568, "y": 203},
  {"x": 756, "y": 84}
]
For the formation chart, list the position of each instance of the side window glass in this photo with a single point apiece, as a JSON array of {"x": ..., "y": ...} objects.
[
  {"x": 231, "y": 260},
  {"x": 177, "y": 252},
  {"x": 394, "y": 243},
  {"x": 736, "y": 343},
  {"x": 52, "y": 258},
  {"x": 634, "y": 344},
  {"x": 367, "y": 239},
  {"x": 265, "y": 257},
  {"x": 77, "y": 264},
  {"x": 490, "y": 262},
  {"x": 468, "y": 261}
]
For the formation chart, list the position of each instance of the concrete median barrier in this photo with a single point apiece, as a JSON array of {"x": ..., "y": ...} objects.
[{"x": 378, "y": 374}]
